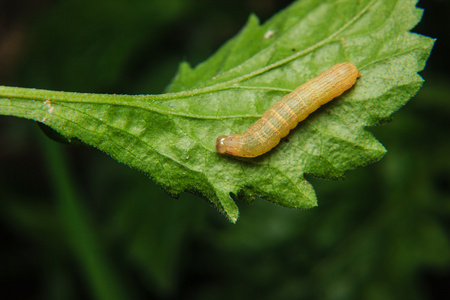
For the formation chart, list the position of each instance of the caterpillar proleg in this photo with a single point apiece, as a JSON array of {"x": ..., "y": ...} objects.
[{"x": 289, "y": 111}]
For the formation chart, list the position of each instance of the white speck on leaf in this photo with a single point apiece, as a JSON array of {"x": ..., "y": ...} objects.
[
  {"x": 269, "y": 34},
  {"x": 50, "y": 107}
]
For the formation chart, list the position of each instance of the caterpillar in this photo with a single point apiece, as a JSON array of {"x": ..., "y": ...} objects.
[{"x": 293, "y": 108}]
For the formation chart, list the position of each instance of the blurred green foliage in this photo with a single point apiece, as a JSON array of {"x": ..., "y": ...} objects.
[{"x": 74, "y": 224}]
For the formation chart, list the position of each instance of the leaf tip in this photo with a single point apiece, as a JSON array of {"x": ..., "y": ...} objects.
[{"x": 228, "y": 207}]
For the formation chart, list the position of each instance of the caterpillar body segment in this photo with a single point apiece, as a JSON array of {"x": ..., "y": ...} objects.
[{"x": 293, "y": 108}]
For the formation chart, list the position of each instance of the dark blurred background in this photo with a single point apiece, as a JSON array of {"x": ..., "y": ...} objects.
[{"x": 75, "y": 224}]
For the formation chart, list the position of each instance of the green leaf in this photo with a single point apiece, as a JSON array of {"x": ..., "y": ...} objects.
[{"x": 172, "y": 136}]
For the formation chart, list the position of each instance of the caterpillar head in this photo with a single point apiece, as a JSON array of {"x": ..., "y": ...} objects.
[{"x": 229, "y": 144}]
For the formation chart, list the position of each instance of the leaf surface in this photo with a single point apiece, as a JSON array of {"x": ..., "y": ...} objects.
[{"x": 172, "y": 136}]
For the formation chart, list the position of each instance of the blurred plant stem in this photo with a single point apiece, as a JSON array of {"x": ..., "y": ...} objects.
[{"x": 80, "y": 234}]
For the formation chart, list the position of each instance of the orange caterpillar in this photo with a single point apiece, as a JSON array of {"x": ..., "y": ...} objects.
[{"x": 289, "y": 111}]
